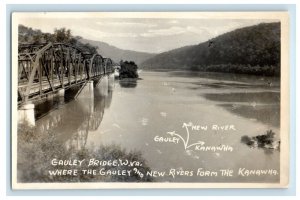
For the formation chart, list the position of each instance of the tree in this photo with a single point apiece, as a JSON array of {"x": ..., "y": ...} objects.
[
  {"x": 48, "y": 37},
  {"x": 37, "y": 39},
  {"x": 128, "y": 70},
  {"x": 62, "y": 35}
]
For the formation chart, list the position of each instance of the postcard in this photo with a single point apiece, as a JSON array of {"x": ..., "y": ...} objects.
[{"x": 150, "y": 100}]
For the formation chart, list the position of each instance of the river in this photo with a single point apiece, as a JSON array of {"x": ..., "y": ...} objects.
[{"x": 131, "y": 119}]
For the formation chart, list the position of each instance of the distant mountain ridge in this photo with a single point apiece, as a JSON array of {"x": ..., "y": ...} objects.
[
  {"x": 36, "y": 36},
  {"x": 117, "y": 54},
  {"x": 251, "y": 50}
]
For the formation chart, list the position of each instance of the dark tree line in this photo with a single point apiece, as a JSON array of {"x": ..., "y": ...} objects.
[{"x": 63, "y": 35}]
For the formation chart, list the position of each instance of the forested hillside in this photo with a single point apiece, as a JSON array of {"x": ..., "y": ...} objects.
[
  {"x": 29, "y": 35},
  {"x": 35, "y": 36},
  {"x": 249, "y": 50},
  {"x": 118, "y": 54}
]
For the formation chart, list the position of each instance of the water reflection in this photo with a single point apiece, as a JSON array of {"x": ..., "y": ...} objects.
[
  {"x": 250, "y": 97},
  {"x": 53, "y": 102},
  {"x": 262, "y": 81},
  {"x": 259, "y": 106},
  {"x": 267, "y": 114},
  {"x": 128, "y": 83},
  {"x": 63, "y": 135},
  {"x": 228, "y": 85},
  {"x": 132, "y": 125},
  {"x": 73, "y": 122}
]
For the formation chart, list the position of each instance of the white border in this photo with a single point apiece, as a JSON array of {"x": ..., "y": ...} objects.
[{"x": 284, "y": 154}]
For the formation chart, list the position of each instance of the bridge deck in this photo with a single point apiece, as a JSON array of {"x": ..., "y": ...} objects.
[{"x": 42, "y": 88}]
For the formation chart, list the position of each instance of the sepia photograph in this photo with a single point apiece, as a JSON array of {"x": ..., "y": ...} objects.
[{"x": 150, "y": 100}]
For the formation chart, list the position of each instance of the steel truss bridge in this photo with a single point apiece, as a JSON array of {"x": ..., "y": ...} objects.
[{"x": 47, "y": 68}]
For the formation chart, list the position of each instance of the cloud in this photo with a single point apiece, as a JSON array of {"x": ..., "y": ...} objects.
[
  {"x": 142, "y": 34},
  {"x": 196, "y": 30},
  {"x": 97, "y": 34},
  {"x": 174, "y": 30},
  {"x": 125, "y": 24},
  {"x": 173, "y": 21}
]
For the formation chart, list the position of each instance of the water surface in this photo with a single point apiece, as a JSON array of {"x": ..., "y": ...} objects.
[{"x": 124, "y": 121}]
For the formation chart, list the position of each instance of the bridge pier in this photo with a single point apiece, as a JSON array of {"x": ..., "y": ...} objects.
[
  {"x": 102, "y": 86},
  {"x": 61, "y": 92},
  {"x": 111, "y": 82},
  {"x": 87, "y": 90},
  {"x": 26, "y": 114},
  {"x": 61, "y": 97}
]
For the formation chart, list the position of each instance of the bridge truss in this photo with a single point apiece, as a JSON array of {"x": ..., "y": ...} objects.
[{"x": 48, "y": 68}]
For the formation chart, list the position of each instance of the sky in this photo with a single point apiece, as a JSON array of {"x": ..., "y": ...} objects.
[{"x": 153, "y": 35}]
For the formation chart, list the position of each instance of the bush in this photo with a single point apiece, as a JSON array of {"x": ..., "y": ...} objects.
[
  {"x": 36, "y": 149},
  {"x": 266, "y": 141}
]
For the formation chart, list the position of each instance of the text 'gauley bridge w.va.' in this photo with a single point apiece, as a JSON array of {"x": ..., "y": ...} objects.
[{"x": 46, "y": 69}]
